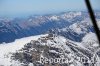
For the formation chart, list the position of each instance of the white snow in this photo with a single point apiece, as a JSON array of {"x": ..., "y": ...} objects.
[
  {"x": 7, "y": 48},
  {"x": 90, "y": 38},
  {"x": 72, "y": 65},
  {"x": 53, "y": 51},
  {"x": 98, "y": 22},
  {"x": 71, "y": 15},
  {"x": 31, "y": 64},
  {"x": 76, "y": 28},
  {"x": 54, "y": 17}
]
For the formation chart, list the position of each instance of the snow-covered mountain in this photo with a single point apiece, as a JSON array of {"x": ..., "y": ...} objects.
[
  {"x": 68, "y": 36},
  {"x": 34, "y": 25},
  {"x": 77, "y": 31},
  {"x": 48, "y": 46},
  {"x": 6, "y": 49}
]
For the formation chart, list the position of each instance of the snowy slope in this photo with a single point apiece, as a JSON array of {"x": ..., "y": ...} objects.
[
  {"x": 34, "y": 25},
  {"x": 7, "y": 48},
  {"x": 54, "y": 46},
  {"x": 90, "y": 41}
]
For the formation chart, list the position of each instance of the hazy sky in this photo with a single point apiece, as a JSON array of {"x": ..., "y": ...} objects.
[{"x": 28, "y": 7}]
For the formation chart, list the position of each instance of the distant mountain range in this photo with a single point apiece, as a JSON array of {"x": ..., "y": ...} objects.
[{"x": 11, "y": 29}]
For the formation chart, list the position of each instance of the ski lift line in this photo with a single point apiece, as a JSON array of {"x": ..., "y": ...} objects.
[{"x": 91, "y": 13}]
